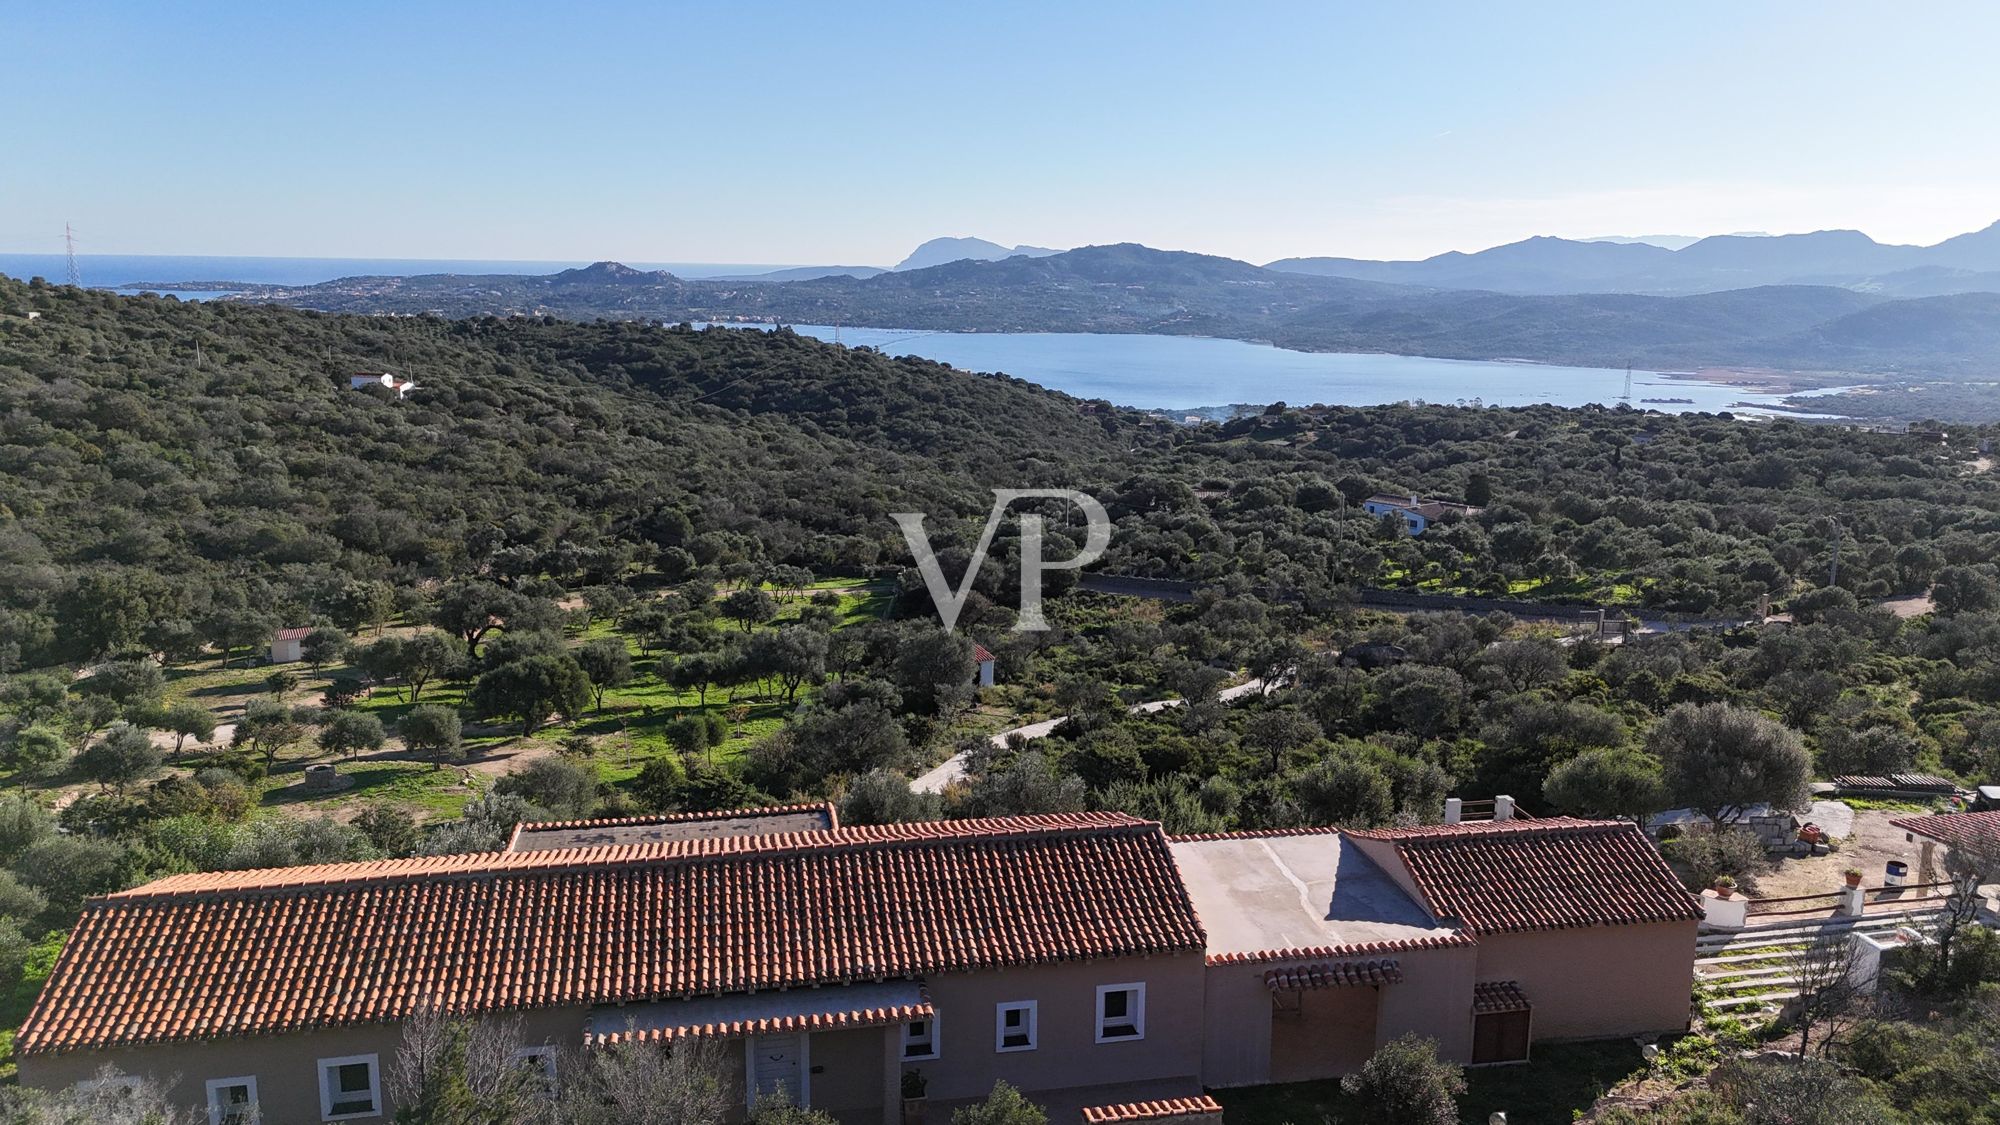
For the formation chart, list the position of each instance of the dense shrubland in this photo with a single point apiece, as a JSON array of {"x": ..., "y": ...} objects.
[{"x": 575, "y": 532}]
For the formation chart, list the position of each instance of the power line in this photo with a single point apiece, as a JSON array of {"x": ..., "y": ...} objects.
[{"x": 69, "y": 248}]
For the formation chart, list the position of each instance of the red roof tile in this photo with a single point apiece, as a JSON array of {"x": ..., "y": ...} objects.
[
  {"x": 765, "y": 1013},
  {"x": 980, "y": 654},
  {"x": 291, "y": 634},
  {"x": 607, "y": 831},
  {"x": 1954, "y": 828},
  {"x": 1337, "y": 974},
  {"x": 259, "y": 952},
  {"x": 1162, "y": 1110},
  {"x": 1490, "y": 996},
  {"x": 1359, "y": 949},
  {"x": 1551, "y": 874}
]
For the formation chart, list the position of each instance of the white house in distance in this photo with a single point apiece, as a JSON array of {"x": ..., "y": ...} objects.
[
  {"x": 285, "y": 646},
  {"x": 401, "y": 388},
  {"x": 1415, "y": 512},
  {"x": 984, "y": 659}
]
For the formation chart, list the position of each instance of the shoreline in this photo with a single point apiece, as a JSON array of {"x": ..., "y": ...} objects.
[{"x": 1767, "y": 380}]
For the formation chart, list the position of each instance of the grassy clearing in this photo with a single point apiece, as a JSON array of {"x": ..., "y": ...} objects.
[{"x": 414, "y": 785}]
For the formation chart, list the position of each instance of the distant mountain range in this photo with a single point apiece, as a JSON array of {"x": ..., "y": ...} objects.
[
  {"x": 1969, "y": 263},
  {"x": 939, "y": 251},
  {"x": 1131, "y": 288}
]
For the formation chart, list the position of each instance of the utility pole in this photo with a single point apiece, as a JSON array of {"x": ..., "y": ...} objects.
[
  {"x": 1627, "y": 396},
  {"x": 69, "y": 244}
]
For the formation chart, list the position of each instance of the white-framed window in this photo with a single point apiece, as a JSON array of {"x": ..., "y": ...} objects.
[
  {"x": 1014, "y": 1025},
  {"x": 1121, "y": 1012},
  {"x": 350, "y": 1086},
  {"x": 233, "y": 1101},
  {"x": 920, "y": 1039},
  {"x": 541, "y": 1061}
]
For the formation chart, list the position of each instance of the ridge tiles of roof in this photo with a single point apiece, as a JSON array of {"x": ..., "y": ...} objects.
[{"x": 596, "y": 858}]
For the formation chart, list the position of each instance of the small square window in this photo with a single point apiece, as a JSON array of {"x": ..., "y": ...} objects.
[
  {"x": 1014, "y": 1026},
  {"x": 350, "y": 1087},
  {"x": 1121, "y": 1012},
  {"x": 541, "y": 1063},
  {"x": 920, "y": 1039},
  {"x": 233, "y": 1101}
]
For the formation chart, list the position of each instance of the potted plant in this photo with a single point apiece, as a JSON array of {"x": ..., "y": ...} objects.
[
  {"x": 1725, "y": 886},
  {"x": 914, "y": 1084},
  {"x": 1853, "y": 876}
]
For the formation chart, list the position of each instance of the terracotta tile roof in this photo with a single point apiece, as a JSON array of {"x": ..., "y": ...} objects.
[
  {"x": 980, "y": 653},
  {"x": 604, "y": 832},
  {"x": 1490, "y": 996},
  {"x": 1152, "y": 1111},
  {"x": 291, "y": 634},
  {"x": 1954, "y": 828},
  {"x": 1336, "y": 974},
  {"x": 260, "y": 952},
  {"x": 1360, "y": 949},
  {"x": 1550, "y": 874},
  {"x": 763, "y": 1013}
]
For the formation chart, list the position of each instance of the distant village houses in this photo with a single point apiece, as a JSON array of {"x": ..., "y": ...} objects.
[
  {"x": 285, "y": 646},
  {"x": 1416, "y": 513},
  {"x": 401, "y": 388}
]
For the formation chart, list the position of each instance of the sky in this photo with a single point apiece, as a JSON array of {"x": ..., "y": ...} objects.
[{"x": 848, "y": 133}]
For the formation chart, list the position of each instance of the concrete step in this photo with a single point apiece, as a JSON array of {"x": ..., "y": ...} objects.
[
  {"x": 1780, "y": 978},
  {"x": 1763, "y": 999},
  {"x": 1806, "y": 931}
]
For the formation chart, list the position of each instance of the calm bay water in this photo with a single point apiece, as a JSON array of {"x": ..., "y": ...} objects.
[{"x": 1184, "y": 372}]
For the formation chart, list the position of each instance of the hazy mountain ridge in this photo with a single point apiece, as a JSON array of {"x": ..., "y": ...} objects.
[
  {"x": 1131, "y": 288},
  {"x": 1546, "y": 265},
  {"x": 939, "y": 251}
]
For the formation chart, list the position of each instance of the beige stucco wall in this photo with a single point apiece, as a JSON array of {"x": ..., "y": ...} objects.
[
  {"x": 1433, "y": 999},
  {"x": 285, "y": 1066},
  {"x": 1067, "y": 1053},
  {"x": 857, "y": 1074},
  {"x": 1598, "y": 982}
]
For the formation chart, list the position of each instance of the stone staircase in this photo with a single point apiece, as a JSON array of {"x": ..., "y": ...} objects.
[{"x": 1749, "y": 971}]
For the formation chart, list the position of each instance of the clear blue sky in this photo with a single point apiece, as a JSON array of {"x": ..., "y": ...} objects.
[{"x": 847, "y": 132}]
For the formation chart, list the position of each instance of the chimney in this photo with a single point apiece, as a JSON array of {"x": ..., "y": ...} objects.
[
  {"x": 1414, "y": 501},
  {"x": 1454, "y": 810},
  {"x": 1503, "y": 808}
]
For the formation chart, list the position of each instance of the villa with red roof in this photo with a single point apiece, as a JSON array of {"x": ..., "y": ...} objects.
[{"x": 1109, "y": 971}]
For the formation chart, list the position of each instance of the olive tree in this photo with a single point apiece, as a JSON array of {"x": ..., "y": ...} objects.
[{"x": 1721, "y": 760}]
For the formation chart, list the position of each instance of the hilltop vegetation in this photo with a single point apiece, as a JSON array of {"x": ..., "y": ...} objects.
[{"x": 597, "y": 569}]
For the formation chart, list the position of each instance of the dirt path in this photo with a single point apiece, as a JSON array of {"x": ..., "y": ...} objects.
[
  {"x": 953, "y": 768},
  {"x": 1871, "y": 844}
]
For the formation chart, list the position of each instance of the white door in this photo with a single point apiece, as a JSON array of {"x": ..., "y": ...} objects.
[{"x": 778, "y": 1063}]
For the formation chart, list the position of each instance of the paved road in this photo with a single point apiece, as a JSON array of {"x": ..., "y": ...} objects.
[{"x": 953, "y": 768}]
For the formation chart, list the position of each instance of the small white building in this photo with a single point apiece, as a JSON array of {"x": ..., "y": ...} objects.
[
  {"x": 401, "y": 388},
  {"x": 984, "y": 659},
  {"x": 1415, "y": 512},
  {"x": 285, "y": 646}
]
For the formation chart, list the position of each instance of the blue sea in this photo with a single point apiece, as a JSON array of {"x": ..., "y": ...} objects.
[{"x": 1152, "y": 372}]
